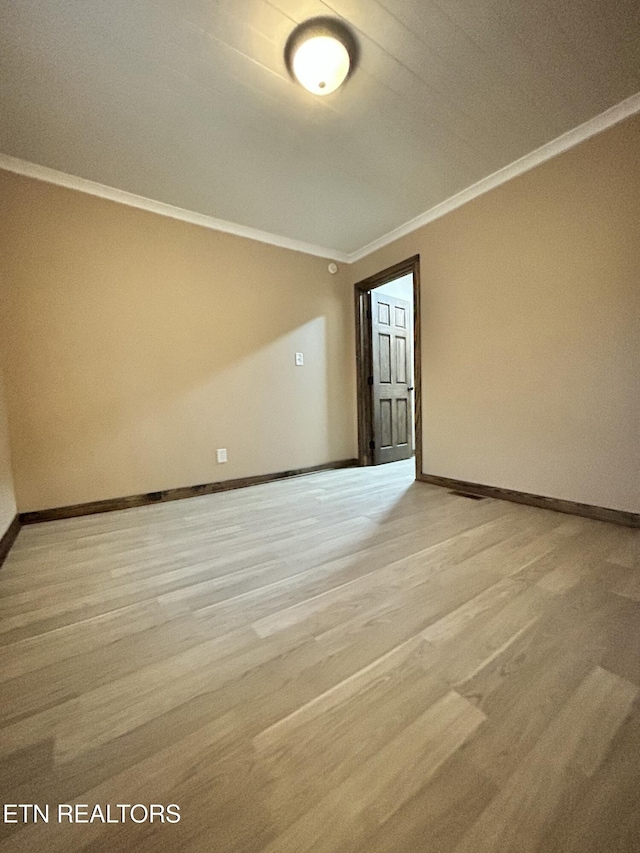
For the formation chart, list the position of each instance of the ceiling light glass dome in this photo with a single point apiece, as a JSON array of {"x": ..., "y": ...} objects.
[{"x": 320, "y": 54}]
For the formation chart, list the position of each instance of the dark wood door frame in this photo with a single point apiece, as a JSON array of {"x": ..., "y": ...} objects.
[{"x": 364, "y": 361}]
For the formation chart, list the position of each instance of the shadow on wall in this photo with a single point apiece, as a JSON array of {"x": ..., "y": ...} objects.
[
  {"x": 267, "y": 383},
  {"x": 137, "y": 345}
]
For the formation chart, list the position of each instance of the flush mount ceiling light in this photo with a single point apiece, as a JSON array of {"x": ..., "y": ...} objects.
[{"x": 320, "y": 54}]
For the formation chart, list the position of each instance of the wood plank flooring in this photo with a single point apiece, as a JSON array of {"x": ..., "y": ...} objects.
[{"x": 348, "y": 661}]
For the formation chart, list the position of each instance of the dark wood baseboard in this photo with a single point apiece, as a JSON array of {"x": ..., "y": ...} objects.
[
  {"x": 600, "y": 513},
  {"x": 8, "y": 538},
  {"x": 113, "y": 504}
]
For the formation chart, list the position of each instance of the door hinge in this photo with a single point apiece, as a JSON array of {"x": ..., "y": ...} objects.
[
  {"x": 370, "y": 380},
  {"x": 372, "y": 445}
]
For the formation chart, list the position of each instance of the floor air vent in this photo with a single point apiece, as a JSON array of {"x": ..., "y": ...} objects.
[{"x": 468, "y": 495}]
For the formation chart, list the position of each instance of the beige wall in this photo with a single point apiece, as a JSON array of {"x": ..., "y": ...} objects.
[
  {"x": 531, "y": 328},
  {"x": 137, "y": 345},
  {"x": 7, "y": 497}
]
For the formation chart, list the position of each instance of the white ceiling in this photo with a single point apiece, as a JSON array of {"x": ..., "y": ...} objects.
[{"x": 188, "y": 101}]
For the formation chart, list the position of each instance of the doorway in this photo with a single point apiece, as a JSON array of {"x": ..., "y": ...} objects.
[{"x": 388, "y": 365}]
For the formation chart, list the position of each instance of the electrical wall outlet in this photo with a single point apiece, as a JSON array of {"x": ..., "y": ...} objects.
[
  {"x": 221, "y": 454},
  {"x": 299, "y": 359}
]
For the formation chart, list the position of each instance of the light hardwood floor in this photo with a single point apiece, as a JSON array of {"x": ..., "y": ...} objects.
[{"x": 346, "y": 662}]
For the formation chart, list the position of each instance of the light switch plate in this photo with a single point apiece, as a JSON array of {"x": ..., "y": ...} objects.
[{"x": 299, "y": 359}]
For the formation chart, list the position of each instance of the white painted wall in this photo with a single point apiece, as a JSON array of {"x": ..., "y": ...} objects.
[{"x": 401, "y": 288}]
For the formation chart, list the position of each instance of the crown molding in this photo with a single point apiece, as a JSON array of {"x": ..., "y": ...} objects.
[
  {"x": 62, "y": 179},
  {"x": 603, "y": 121}
]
